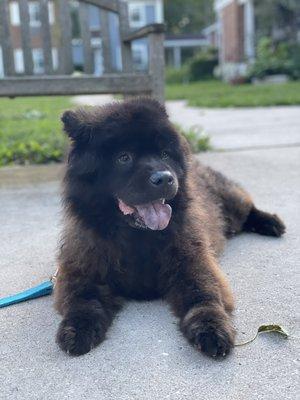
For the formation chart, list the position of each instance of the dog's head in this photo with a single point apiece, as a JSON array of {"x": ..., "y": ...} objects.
[{"x": 129, "y": 155}]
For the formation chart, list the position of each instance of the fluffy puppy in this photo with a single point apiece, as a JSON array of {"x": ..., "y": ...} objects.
[{"x": 144, "y": 219}]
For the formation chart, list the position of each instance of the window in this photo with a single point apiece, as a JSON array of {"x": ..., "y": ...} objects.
[
  {"x": 115, "y": 43},
  {"x": 137, "y": 15},
  {"x": 140, "y": 56},
  {"x": 94, "y": 18},
  {"x": 150, "y": 14},
  {"x": 98, "y": 62},
  {"x": 34, "y": 14},
  {"x": 77, "y": 54},
  {"x": 14, "y": 13},
  {"x": 51, "y": 13},
  {"x": 19, "y": 61},
  {"x": 38, "y": 61},
  {"x": 137, "y": 56},
  {"x": 142, "y": 13},
  {"x": 54, "y": 58}
]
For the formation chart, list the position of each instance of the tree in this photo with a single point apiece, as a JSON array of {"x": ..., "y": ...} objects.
[
  {"x": 278, "y": 19},
  {"x": 188, "y": 16}
]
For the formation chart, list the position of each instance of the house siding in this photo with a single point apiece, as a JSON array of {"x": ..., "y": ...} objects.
[
  {"x": 235, "y": 36},
  {"x": 233, "y": 33}
]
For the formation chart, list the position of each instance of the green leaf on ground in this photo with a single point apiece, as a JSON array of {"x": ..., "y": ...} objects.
[{"x": 267, "y": 329}]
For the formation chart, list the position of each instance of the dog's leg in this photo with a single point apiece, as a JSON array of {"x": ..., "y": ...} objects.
[
  {"x": 87, "y": 309},
  {"x": 264, "y": 223},
  {"x": 202, "y": 299}
]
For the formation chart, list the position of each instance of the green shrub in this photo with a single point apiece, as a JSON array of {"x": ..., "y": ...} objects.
[
  {"x": 30, "y": 130},
  {"x": 199, "y": 67},
  {"x": 272, "y": 59},
  {"x": 202, "y": 65},
  {"x": 177, "y": 75},
  {"x": 31, "y": 152},
  {"x": 294, "y": 50},
  {"x": 196, "y": 137}
]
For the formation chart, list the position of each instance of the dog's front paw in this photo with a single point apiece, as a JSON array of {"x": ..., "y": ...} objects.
[
  {"x": 78, "y": 334},
  {"x": 210, "y": 330}
]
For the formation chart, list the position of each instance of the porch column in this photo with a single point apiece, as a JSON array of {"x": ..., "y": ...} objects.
[
  {"x": 249, "y": 30},
  {"x": 177, "y": 57}
]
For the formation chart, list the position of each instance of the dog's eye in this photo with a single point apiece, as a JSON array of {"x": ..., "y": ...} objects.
[
  {"x": 164, "y": 155},
  {"x": 124, "y": 158}
]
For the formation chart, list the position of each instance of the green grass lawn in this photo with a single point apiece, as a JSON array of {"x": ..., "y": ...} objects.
[
  {"x": 30, "y": 130},
  {"x": 220, "y": 94}
]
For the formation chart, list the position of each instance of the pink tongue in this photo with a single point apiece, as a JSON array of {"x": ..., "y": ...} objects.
[{"x": 155, "y": 215}]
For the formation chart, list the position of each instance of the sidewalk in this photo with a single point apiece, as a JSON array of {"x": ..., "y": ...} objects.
[
  {"x": 231, "y": 129},
  {"x": 145, "y": 357}
]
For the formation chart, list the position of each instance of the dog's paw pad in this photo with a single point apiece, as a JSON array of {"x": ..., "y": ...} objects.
[
  {"x": 209, "y": 330},
  {"x": 214, "y": 345},
  {"x": 77, "y": 337}
]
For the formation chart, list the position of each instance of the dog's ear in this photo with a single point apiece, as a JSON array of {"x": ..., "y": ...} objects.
[{"x": 77, "y": 124}]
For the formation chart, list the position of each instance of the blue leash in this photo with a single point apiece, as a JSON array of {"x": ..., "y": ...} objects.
[{"x": 43, "y": 289}]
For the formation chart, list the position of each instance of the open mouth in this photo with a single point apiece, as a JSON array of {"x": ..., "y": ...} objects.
[{"x": 155, "y": 215}]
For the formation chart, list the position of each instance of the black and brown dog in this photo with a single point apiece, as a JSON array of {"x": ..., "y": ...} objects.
[{"x": 144, "y": 219}]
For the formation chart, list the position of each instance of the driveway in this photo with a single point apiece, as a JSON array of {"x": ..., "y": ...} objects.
[{"x": 145, "y": 356}]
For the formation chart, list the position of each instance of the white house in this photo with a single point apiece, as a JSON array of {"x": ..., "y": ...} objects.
[
  {"x": 178, "y": 46},
  {"x": 141, "y": 13}
]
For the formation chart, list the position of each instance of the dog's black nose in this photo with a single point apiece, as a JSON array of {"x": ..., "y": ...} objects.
[{"x": 161, "y": 178}]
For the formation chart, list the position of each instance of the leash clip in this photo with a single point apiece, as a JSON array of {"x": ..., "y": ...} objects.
[{"x": 53, "y": 278}]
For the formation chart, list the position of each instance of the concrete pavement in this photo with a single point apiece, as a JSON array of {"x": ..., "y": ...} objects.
[
  {"x": 230, "y": 128},
  {"x": 145, "y": 356},
  {"x": 237, "y": 128}
]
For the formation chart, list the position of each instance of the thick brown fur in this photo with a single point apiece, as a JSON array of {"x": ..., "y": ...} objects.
[{"x": 103, "y": 259}]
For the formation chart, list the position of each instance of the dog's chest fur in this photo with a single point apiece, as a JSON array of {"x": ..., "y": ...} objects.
[{"x": 139, "y": 264}]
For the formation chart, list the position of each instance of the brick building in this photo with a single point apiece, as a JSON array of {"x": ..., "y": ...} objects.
[
  {"x": 35, "y": 34},
  {"x": 141, "y": 12},
  {"x": 236, "y": 33}
]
